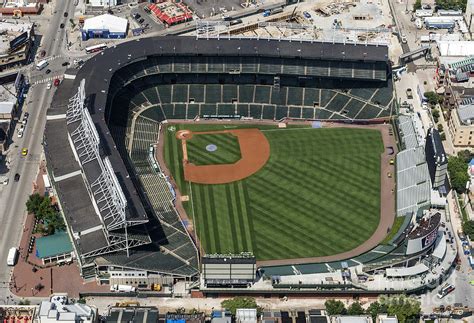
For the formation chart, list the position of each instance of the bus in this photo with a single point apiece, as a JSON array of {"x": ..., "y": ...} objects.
[
  {"x": 42, "y": 64},
  {"x": 445, "y": 290},
  {"x": 95, "y": 48}
]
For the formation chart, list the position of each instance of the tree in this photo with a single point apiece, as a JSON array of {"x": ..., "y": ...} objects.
[
  {"x": 452, "y": 4},
  {"x": 433, "y": 98},
  {"x": 355, "y": 309},
  {"x": 239, "y": 302},
  {"x": 33, "y": 203},
  {"x": 465, "y": 155},
  {"x": 24, "y": 302},
  {"x": 403, "y": 307},
  {"x": 443, "y": 136},
  {"x": 375, "y": 309},
  {"x": 334, "y": 307},
  {"x": 417, "y": 5},
  {"x": 457, "y": 169},
  {"x": 435, "y": 114},
  {"x": 45, "y": 211},
  {"x": 468, "y": 228},
  {"x": 440, "y": 127}
]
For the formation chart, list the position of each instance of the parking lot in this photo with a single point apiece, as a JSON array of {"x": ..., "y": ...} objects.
[{"x": 209, "y": 8}]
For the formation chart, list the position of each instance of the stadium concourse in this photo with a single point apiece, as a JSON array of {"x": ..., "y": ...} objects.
[{"x": 100, "y": 134}]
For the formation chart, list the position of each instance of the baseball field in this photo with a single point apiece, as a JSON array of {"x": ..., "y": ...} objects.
[{"x": 317, "y": 195}]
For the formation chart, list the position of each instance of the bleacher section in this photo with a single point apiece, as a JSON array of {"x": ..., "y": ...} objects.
[
  {"x": 170, "y": 236},
  {"x": 186, "y": 101}
]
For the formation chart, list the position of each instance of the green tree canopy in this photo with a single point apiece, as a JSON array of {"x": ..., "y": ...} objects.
[
  {"x": 334, "y": 307},
  {"x": 375, "y": 309},
  {"x": 452, "y": 4},
  {"x": 33, "y": 203},
  {"x": 465, "y": 155},
  {"x": 417, "y": 5},
  {"x": 355, "y": 309},
  {"x": 43, "y": 210},
  {"x": 239, "y": 302},
  {"x": 433, "y": 98},
  {"x": 457, "y": 169},
  {"x": 403, "y": 307},
  {"x": 468, "y": 228}
]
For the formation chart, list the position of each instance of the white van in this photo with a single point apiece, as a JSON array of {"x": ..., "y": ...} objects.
[
  {"x": 12, "y": 257},
  {"x": 42, "y": 64}
]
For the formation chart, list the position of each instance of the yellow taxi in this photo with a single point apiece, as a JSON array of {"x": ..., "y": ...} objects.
[{"x": 24, "y": 152}]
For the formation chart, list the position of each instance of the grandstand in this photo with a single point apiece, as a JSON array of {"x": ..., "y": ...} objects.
[{"x": 114, "y": 120}]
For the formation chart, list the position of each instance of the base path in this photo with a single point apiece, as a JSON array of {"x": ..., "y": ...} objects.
[{"x": 254, "y": 150}]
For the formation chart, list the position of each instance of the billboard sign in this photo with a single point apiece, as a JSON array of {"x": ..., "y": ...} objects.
[{"x": 18, "y": 41}]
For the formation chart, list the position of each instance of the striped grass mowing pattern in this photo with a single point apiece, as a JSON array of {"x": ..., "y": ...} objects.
[
  {"x": 228, "y": 149},
  {"x": 319, "y": 194}
]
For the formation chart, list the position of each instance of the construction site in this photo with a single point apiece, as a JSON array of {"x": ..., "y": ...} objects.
[{"x": 344, "y": 21}]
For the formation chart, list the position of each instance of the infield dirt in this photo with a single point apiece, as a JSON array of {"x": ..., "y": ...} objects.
[{"x": 254, "y": 149}]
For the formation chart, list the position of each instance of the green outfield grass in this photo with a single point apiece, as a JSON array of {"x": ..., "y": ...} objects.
[
  {"x": 228, "y": 149},
  {"x": 319, "y": 194}
]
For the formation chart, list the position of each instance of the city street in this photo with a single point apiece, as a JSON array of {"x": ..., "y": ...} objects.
[{"x": 14, "y": 195}]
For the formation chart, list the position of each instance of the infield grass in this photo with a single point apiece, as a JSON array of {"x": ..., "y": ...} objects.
[
  {"x": 227, "y": 149},
  {"x": 318, "y": 195}
]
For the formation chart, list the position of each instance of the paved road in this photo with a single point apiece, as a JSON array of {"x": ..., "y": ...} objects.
[{"x": 14, "y": 195}]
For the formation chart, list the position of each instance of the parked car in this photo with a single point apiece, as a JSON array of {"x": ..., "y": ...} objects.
[
  {"x": 24, "y": 151},
  {"x": 306, "y": 14},
  {"x": 65, "y": 15},
  {"x": 17, "y": 177},
  {"x": 61, "y": 26},
  {"x": 43, "y": 53},
  {"x": 48, "y": 87},
  {"x": 141, "y": 21},
  {"x": 65, "y": 64},
  {"x": 48, "y": 71},
  {"x": 56, "y": 82}
]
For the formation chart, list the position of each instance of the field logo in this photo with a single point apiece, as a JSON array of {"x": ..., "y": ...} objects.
[{"x": 171, "y": 128}]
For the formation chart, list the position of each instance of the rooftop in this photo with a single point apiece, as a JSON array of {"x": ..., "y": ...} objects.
[
  {"x": 106, "y": 22},
  {"x": 53, "y": 245},
  {"x": 426, "y": 225}
]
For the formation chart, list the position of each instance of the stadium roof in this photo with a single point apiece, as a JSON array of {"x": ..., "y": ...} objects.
[
  {"x": 455, "y": 48},
  {"x": 410, "y": 136},
  {"x": 106, "y": 22}
]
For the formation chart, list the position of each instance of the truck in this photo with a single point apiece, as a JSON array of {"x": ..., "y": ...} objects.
[
  {"x": 122, "y": 288},
  {"x": 420, "y": 13},
  {"x": 12, "y": 256},
  {"x": 440, "y": 22}
]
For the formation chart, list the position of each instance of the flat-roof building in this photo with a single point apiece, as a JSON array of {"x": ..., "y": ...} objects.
[
  {"x": 16, "y": 42},
  {"x": 104, "y": 26},
  {"x": 437, "y": 160}
]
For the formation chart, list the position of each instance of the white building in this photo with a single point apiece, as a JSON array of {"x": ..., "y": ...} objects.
[
  {"x": 246, "y": 315},
  {"x": 102, "y": 3},
  {"x": 469, "y": 16},
  {"x": 105, "y": 26},
  {"x": 57, "y": 309}
]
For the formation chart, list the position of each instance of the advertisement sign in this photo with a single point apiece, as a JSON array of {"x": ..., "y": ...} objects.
[{"x": 18, "y": 41}]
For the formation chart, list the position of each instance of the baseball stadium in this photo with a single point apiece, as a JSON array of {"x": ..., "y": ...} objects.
[{"x": 236, "y": 163}]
